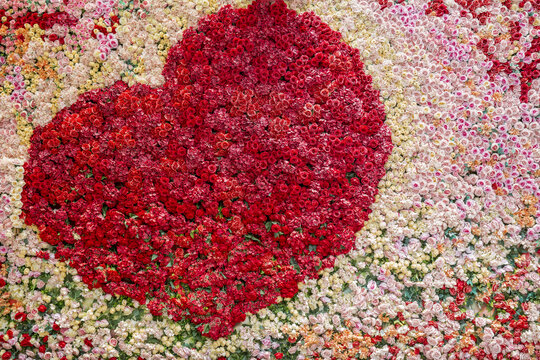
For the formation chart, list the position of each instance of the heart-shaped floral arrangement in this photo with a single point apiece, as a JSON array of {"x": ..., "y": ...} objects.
[{"x": 250, "y": 169}]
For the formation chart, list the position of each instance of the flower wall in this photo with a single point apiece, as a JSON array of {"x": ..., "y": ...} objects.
[{"x": 432, "y": 253}]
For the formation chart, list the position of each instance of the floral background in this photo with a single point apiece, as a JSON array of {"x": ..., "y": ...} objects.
[{"x": 447, "y": 265}]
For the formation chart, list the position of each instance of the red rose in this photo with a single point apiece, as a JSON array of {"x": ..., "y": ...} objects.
[{"x": 21, "y": 316}]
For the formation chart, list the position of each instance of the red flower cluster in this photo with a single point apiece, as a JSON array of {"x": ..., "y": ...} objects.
[
  {"x": 44, "y": 21},
  {"x": 102, "y": 29},
  {"x": 250, "y": 169},
  {"x": 438, "y": 7}
]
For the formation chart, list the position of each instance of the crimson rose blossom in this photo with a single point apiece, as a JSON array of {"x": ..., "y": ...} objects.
[{"x": 250, "y": 169}]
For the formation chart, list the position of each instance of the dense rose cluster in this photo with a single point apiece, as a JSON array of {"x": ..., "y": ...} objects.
[
  {"x": 251, "y": 168},
  {"x": 44, "y": 21}
]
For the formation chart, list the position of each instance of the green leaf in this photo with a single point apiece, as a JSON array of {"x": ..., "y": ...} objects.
[
  {"x": 295, "y": 264},
  {"x": 252, "y": 238}
]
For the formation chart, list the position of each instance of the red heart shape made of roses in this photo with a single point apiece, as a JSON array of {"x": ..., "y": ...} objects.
[{"x": 250, "y": 169}]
